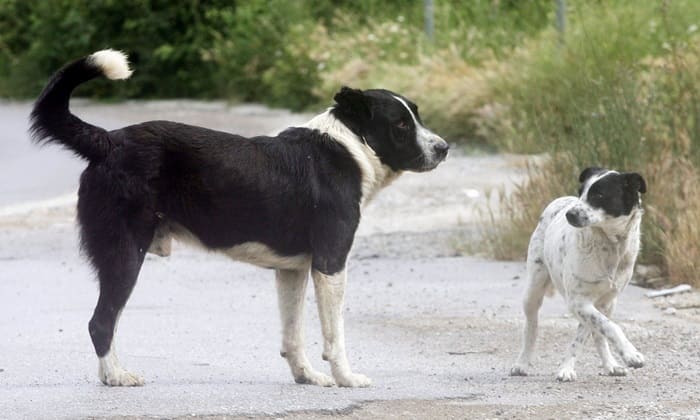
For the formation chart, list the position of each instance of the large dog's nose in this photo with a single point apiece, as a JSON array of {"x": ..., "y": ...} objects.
[{"x": 441, "y": 148}]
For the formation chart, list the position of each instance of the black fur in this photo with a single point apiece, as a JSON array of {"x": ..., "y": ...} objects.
[
  {"x": 297, "y": 193},
  {"x": 615, "y": 193}
]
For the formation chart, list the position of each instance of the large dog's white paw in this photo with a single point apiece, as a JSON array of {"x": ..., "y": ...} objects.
[
  {"x": 353, "y": 380},
  {"x": 313, "y": 377},
  {"x": 120, "y": 377},
  {"x": 566, "y": 374},
  {"x": 633, "y": 359},
  {"x": 518, "y": 370}
]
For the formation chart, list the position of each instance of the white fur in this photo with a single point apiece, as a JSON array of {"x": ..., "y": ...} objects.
[
  {"x": 330, "y": 293},
  {"x": 110, "y": 371},
  {"x": 113, "y": 64},
  {"x": 261, "y": 255},
  {"x": 588, "y": 266},
  {"x": 426, "y": 138},
  {"x": 375, "y": 175},
  {"x": 255, "y": 253},
  {"x": 291, "y": 293}
]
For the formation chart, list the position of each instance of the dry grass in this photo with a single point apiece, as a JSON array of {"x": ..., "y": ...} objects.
[{"x": 455, "y": 97}]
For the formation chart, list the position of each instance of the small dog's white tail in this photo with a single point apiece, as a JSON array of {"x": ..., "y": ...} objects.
[{"x": 112, "y": 63}]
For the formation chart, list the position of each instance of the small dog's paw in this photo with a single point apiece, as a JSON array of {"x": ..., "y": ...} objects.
[
  {"x": 312, "y": 377},
  {"x": 353, "y": 380},
  {"x": 121, "y": 378},
  {"x": 633, "y": 359},
  {"x": 518, "y": 370},
  {"x": 566, "y": 374},
  {"x": 615, "y": 370}
]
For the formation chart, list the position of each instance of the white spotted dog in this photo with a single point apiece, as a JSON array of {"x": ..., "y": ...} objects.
[
  {"x": 290, "y": 202},
  {"x": 585, "y": 248}
]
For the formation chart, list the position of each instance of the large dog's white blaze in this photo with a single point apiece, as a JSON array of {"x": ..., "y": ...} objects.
[
  {"x": 426, "y": 139},
  {"x": 113, "y": 64},
  {"x": 330, "y": 295},
  {"x": 110, "y": 371},
  {"x": 375, "y": 175}
]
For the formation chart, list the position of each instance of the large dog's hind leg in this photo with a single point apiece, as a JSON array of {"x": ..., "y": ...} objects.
[
  {"x": 117, "y": 278},
  {"x": 116, "y": 247},
  {"x": 291, "y": 292},
  {"x": 330, "y": 292}
]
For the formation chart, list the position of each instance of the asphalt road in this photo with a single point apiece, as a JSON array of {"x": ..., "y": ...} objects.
[
  {"x": 436, "y": 335},
  {"x": 436, "y": 332}
]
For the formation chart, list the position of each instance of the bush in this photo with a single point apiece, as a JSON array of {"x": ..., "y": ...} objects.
[
  {"x": 257, "y": 50},
  {"x": 623, "y": 93}
]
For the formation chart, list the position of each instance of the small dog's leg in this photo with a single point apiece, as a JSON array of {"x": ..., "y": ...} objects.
[
  {"x": 567, "y": 371},
  {"x": 539, "y": 281},
  {"x": 595, "y": 320},
  {"x": 610, "y": 365},
  {"x": 330, "y": 291},
  {"x": 291, "y": 292}
]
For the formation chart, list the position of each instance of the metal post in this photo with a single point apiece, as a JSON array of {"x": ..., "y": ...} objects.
[
  {"x": 561, "y": 20},
  {"x": 429, "y": 19}
]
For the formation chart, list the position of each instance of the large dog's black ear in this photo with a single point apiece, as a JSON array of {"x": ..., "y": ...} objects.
[
  {"x": 589, "y": 172},
  {"x": 353, "y": 101},
  {"x": 636, "y": 182}
]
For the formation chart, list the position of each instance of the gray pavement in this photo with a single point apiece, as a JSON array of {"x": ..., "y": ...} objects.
[
  {"x": 205, "y": 333},
  {"x": 436, "y": 333}
]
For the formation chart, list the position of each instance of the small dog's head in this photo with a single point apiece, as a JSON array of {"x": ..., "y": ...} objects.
[
  {"x": 391, "y": 126},
  {"x": 606, "y": 196}
]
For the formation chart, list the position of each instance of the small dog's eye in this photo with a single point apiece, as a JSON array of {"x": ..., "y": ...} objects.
[{"x": 402, "y": 125}]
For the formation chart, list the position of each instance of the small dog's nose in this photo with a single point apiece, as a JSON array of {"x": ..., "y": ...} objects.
[{"x": 573, "y": 219}]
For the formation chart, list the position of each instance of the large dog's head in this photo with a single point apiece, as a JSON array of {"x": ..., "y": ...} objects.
[
  {"x": 391, "y": 126},
  {"x": 606, "y": 196}
]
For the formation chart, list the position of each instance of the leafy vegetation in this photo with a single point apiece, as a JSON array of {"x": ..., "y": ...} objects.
[{"x": 619, "y": 89}]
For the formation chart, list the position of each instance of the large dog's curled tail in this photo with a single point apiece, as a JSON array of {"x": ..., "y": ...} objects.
[{"x": 51, "y": 118}]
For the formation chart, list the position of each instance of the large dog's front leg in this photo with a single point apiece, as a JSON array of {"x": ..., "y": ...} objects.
[
  {"x": 330, "y": 291},
  {"x": 291, "y": 291}
]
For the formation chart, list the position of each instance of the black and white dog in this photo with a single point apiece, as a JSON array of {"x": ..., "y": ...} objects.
[
  {"x": 585, "y": 247},
  {"x": 291, "y": 202}
]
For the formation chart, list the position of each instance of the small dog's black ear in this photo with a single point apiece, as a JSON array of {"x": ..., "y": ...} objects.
[
  {"x": 636, "y": 181},
  {"x": 353, "y": 101},
  {"x": 589, "y": 172}
]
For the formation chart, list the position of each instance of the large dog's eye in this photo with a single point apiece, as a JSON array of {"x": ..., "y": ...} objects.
[
  {"x": 595, "y": 197},
  {"x": 402, "y": 125}
]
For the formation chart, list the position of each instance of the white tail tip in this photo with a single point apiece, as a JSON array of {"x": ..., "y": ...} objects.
[{"x": 113, "y": 64}]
